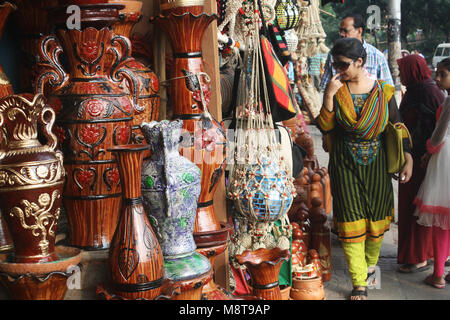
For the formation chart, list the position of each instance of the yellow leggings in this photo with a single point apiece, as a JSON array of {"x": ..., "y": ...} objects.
[{"x": 360, "y": 256}]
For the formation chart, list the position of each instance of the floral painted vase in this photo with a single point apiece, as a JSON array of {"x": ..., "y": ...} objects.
[
  {"x": 171, "y": 187},
  {"x": 94, "y": 113}
]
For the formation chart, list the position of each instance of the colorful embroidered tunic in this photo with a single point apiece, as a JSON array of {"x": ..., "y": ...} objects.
[{"x": 363, "y": 199}]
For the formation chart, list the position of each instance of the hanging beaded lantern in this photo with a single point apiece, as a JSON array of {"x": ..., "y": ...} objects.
[{"x": 287, "y": 14}]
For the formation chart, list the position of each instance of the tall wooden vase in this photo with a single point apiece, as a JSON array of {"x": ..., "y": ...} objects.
[
  {"x": 203, "y": 138},
  {"x": 135, "y": 258},
  {"x": 94, "y": 113}
]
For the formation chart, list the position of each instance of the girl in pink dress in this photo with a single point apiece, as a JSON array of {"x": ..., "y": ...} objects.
[{"x": 433, "y": 199}]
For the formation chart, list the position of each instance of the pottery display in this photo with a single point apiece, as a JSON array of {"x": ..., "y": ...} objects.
[
  {"x": 321, "y": 237},
  {"x": 264, "y": 267},
  {"x": 94, "y": 112},
  {"x": 135, "y": 258},
  {"x": 39, "y": 281},
  {"x": 170, "y": 188},
  {"x": 5, "y": 10},
  {"x": 204, "y": 141},
  {"x": 31, "y": 177}
]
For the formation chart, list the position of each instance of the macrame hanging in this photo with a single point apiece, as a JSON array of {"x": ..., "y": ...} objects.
[{"x": 259, "y": 183}]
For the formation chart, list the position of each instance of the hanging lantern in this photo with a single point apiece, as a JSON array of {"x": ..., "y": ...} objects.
[{"x": 287, "y": 14}]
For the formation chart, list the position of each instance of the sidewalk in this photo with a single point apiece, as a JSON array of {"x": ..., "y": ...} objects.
[{"x": 394, "y": 285}]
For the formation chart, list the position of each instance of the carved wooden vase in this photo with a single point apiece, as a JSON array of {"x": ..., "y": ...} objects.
[
  {"x": 147, "y": 107},
  {"x": 5, "y": 10},
  {"x": 135, "y": 257},
  {"x": 31, "y": 177},
  {"x": 181, "y": 6},
  {"x": 94, "y": 113},
  {"x": 264, "y": 267},
  {"x": 203, "y": 139}
]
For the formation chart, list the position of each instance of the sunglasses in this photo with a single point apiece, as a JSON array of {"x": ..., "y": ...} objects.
[{"x": 342, "y": 65}]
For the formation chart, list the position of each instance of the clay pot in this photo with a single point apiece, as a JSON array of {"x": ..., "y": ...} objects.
[
  {"x": 168, "y": 291},
  {"x": 39, "y": 281},
  {"x": 285, "y": 292},
  {"x": 307, "y": 289},
  {"x": 31, "y": 177},
  {"x": 264, "y": 266}
]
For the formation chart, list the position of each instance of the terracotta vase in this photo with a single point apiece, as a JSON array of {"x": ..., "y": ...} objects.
[
  {"x": 5, "y": 10},
  {"x": 285, "y": 292},
  {"x": 94, "y": 113},
  {"x": 171, "y": 187},
  {"x": 204, "y": 141},
  {"x": 264, "y": 267},
  {"x": 31, "y": 177},
  {"x": 39, "y": 281},
  {"x": 321, "y": 237},
  {"x": 135, "y": 258},
  {"x": 31, "y": 19},
  {"x": 147, "y": 106},
  {"x": 307, "y": 289}
]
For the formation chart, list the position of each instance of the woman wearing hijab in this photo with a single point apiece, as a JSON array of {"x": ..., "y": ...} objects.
[{"x": 418, "y": 110}]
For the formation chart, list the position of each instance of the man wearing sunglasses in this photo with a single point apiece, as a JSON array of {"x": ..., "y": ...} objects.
[{"x": 352, "y": 26}]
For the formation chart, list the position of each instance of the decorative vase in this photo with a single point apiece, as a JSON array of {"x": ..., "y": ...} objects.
[
  {"x": 204, "y": 141},
  {"x": 171, "y": 187},
  {"x": 307, "y": 289},
  {"x": 135, "y": 258},
  {"x": 6, "y": 243},
  {"x": 31, "y": 177},
  {"x": 5, "y": 86},
  {"x": 147, "y": 107},
  {"x": 181, "y": 6},
  {"x": 94, "y": 113},
  {"x": 31, "y": 19},
  {"x": 39, "y": 281},
  {"x": 264, "y": 267},
  {"x": 287, "y": 14}
]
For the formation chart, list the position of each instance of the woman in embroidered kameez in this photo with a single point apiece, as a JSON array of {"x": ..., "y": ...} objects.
[
  {"x": 418, "y": 110},
  {"x": 354, "y": 115}
]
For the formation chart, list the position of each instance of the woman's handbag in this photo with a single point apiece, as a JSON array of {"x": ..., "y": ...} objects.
[{"x": 394, "y": 135}]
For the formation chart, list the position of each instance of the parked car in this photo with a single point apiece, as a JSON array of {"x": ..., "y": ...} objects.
[{"x": 442, "y": 52}]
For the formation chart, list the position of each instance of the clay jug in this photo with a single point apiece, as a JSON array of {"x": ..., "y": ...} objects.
[
  {"x": 307, "y": 289},
  {"x": 31, "y": 177}
]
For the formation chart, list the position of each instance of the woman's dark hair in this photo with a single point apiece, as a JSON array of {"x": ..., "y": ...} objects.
[
  {"x": 350, "y": 48},
  {"x": 444, "y": 64},
  {"x": 358, "y": 21}
]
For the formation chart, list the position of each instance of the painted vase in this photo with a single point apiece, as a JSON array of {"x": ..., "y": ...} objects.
[
  {"x": 94, "y": 113},
  {"x": 204, "y": 141},
  {"x": 264, "y": 267},
  {"x": 5, "y": 10},
  {"x": 147, "y": 107},
  {"x": 135, "y": 258},
  {"x": 31, "y": 177},
  {"x": 181, "y": 6},
  {"x": 171, "y": 187}
]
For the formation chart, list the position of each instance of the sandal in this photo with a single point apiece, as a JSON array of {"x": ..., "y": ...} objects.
[
  {"x": 371, "y": 280},
  {"x": 412, "y": 268},
  {"x": 430, "y": 281},
  {"x": 360, "y": 294}
]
